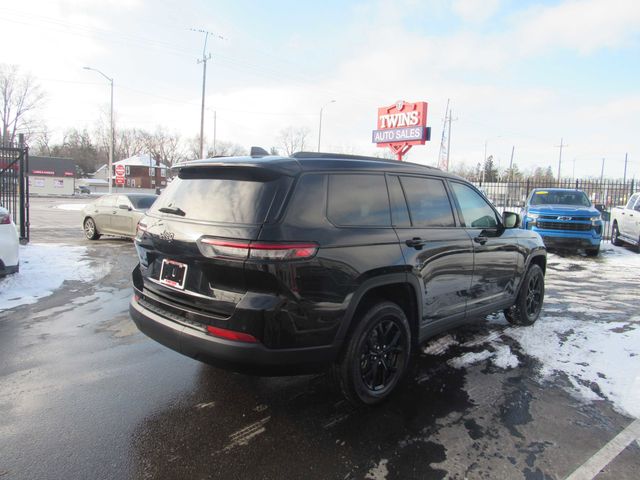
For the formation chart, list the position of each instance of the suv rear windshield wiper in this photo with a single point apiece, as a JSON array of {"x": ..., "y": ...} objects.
[{"x": 172, "y": 210}]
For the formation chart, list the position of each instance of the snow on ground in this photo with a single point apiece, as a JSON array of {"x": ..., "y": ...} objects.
[
  {"x": 43, "y": 269},
  {"x": 71, "y": 206},
  {"x": 585, "y": 333}
]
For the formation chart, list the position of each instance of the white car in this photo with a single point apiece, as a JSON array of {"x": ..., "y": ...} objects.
[{"x": 8, "y": 244}]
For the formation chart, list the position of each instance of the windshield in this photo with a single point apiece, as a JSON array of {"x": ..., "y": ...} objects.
[
  {"x": 222, "y": 200},
  {"x": 142, "y": 202},
  {"x": 560, "y": 197}
]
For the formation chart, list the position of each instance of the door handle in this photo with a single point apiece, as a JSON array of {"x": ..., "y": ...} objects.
[
  {"x": 416, "y": 242},
  {"x": 481, "y": 240}
]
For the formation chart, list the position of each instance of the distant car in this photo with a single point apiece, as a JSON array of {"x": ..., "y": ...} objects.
[
  {"x": 83, "y": 189},
  {"x": 564, "y": 218},
  {"x": 625, "y": 223},
  {"x": 116, "y": 214},
  {"x": 8, "y": 244}
]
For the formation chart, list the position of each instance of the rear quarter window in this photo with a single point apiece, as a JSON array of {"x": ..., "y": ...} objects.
[
  {"x": 221, "y": 197},
  {"x": 359, "y": 200}
]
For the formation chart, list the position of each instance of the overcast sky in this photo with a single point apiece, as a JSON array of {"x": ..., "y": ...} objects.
[{"x": 517, "y": 73}]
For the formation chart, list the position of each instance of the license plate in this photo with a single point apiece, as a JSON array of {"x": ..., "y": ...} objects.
[{"x": 173, "y": 273}]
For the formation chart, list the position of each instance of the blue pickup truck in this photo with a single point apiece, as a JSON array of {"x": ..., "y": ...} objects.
[{"x": 564, "y": 218}]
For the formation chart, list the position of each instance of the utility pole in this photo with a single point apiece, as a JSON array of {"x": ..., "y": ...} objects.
[
  {"x": 205, "y": 58},
  {"x": 320, "y": 122},
  {"x": 449, "y": 141},
  {"x": 624, "y": 178},
  {"x": 562, "y": 144},
  {"x": 513, "y": 149},
  {"x": 215, "y": 127},
  {"x": 111, "y": 127},
  {"x": 602, "y": 171},
  {"x": 444, "y": 129}
]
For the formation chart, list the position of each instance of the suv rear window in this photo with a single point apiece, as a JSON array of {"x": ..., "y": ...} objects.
[
  {"x": 359, "y": 200},
  {"x": 220, "y": 197}
]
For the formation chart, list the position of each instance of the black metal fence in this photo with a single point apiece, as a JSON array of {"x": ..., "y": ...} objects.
[
  {"x": 14, "y": 185},
  {"x": 604, "y": 194}
]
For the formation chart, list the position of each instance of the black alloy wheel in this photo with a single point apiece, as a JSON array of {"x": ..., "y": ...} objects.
[
  {"x": 528, "y": 304},
  {"x": 381, "y": 355},
  {"x": 376, "y": 356}
]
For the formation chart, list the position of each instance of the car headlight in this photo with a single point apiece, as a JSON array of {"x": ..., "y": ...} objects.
[
  {"x": 595, "y": 220},
  {"x": 532, "y": 216}
]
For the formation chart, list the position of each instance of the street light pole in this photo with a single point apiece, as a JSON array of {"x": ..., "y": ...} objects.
[
  {"x": 320, "y": 123},
  {"x": 112, "y": 142}
]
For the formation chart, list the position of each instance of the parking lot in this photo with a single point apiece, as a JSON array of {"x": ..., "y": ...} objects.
[{"x": 83, "y": 394}]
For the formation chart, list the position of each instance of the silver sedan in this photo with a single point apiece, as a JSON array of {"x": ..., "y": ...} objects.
[{"x": 116, "y": 214}]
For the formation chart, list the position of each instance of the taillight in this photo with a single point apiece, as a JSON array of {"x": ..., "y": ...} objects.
[
  {"x": 5, "y": 219},
  {"x": 231, "y": 335},
  {"x": 243, "y": 250},
  {"x": 141, "y": 228}
]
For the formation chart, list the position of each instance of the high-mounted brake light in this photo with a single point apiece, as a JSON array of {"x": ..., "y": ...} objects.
[
  {"x": 242, "y": 250},
  {"x": 231, "y": 335}
]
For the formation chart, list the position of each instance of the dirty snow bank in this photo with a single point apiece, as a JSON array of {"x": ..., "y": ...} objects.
[
  {"x": 601, "y": 360},
  {"x": 43, "y": 269},
  {"x": 71, "y": 206}
]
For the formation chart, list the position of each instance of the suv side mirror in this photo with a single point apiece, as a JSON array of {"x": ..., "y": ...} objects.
[
  {"x": 124, "y": 207},
  {"x": 510, "y": 220}
]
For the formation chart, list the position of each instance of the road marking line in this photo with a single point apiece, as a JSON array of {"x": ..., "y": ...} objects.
[{"x": 606, "y": 454}]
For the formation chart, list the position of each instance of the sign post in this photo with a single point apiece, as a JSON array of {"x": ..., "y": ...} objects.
[{"x": 401, "y": 126}]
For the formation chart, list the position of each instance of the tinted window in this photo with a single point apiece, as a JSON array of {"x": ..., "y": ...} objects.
[
  {"x": 632, "y": 200},
  {"x": 238, "y": 198},
  {"x": 142, "y": 203},
  {"x": 358, "y": 200},
  {"x": 399, "y": 212},
  {"x": 560, "y": 197},
  {"x": 476, "y": 212},
  {"x": 428, "y": 202}
]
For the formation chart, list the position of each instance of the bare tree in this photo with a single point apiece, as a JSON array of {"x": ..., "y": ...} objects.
[
  {"x": 221, "y": 149},
  {"x": 20, "y": 97},
  {"x": 163, "y": 146},
  {"x": 293, "y": 139}
]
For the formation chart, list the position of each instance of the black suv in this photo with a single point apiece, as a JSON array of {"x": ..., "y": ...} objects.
[{"x": 281, "y": 265}]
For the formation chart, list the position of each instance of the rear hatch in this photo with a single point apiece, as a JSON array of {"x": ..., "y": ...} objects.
[{"x": 188, "y": 243}]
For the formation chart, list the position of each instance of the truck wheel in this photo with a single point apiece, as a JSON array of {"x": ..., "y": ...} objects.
[
  {"x": 376, "y": 356},
  {"x": 592, "y": 252},
  {"x": 615, "y": 235},
  {"x": 528, "y": 304}
]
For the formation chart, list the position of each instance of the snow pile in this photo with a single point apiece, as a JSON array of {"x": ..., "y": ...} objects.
[
  {"x": 500, "y": 356},
  {"x": 601, "y": 360},
  {"x": 71, "y": 206},
  {"x": 43, "y": 269}
]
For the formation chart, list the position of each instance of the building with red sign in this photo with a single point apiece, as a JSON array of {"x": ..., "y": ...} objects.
[
  {"x": 139, "y": 171},
  {"x": 51, "y": 176}
]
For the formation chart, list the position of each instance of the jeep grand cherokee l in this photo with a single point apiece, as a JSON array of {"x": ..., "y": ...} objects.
[{"x": 277, "y": 265}]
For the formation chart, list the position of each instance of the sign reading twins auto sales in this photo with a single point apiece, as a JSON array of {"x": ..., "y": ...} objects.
[{"x": 400, "y": 126}]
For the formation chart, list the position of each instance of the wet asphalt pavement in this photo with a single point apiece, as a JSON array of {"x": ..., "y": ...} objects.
[{"x": 84, "y": 395}]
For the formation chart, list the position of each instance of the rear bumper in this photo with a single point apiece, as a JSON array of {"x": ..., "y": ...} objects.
[{"x": 252, "y": 358}]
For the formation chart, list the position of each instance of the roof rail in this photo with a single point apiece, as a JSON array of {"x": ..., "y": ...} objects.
[{"x": 343, "y": 156}]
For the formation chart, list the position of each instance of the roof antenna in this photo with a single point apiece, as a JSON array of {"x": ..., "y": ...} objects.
[{"x": 258, "y": 152}]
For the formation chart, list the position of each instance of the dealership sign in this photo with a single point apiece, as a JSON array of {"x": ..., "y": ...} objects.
[{"x": 400, "y": 126}]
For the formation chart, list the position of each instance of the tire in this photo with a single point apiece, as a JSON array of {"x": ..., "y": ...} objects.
[
  {"x": 615, "y": 235},
  {"x": 592, "y": 252},
  {"x": 376, "y": 356},
  {"x": 90, "y": 230},
  {"x": 528, "y": 305}
]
